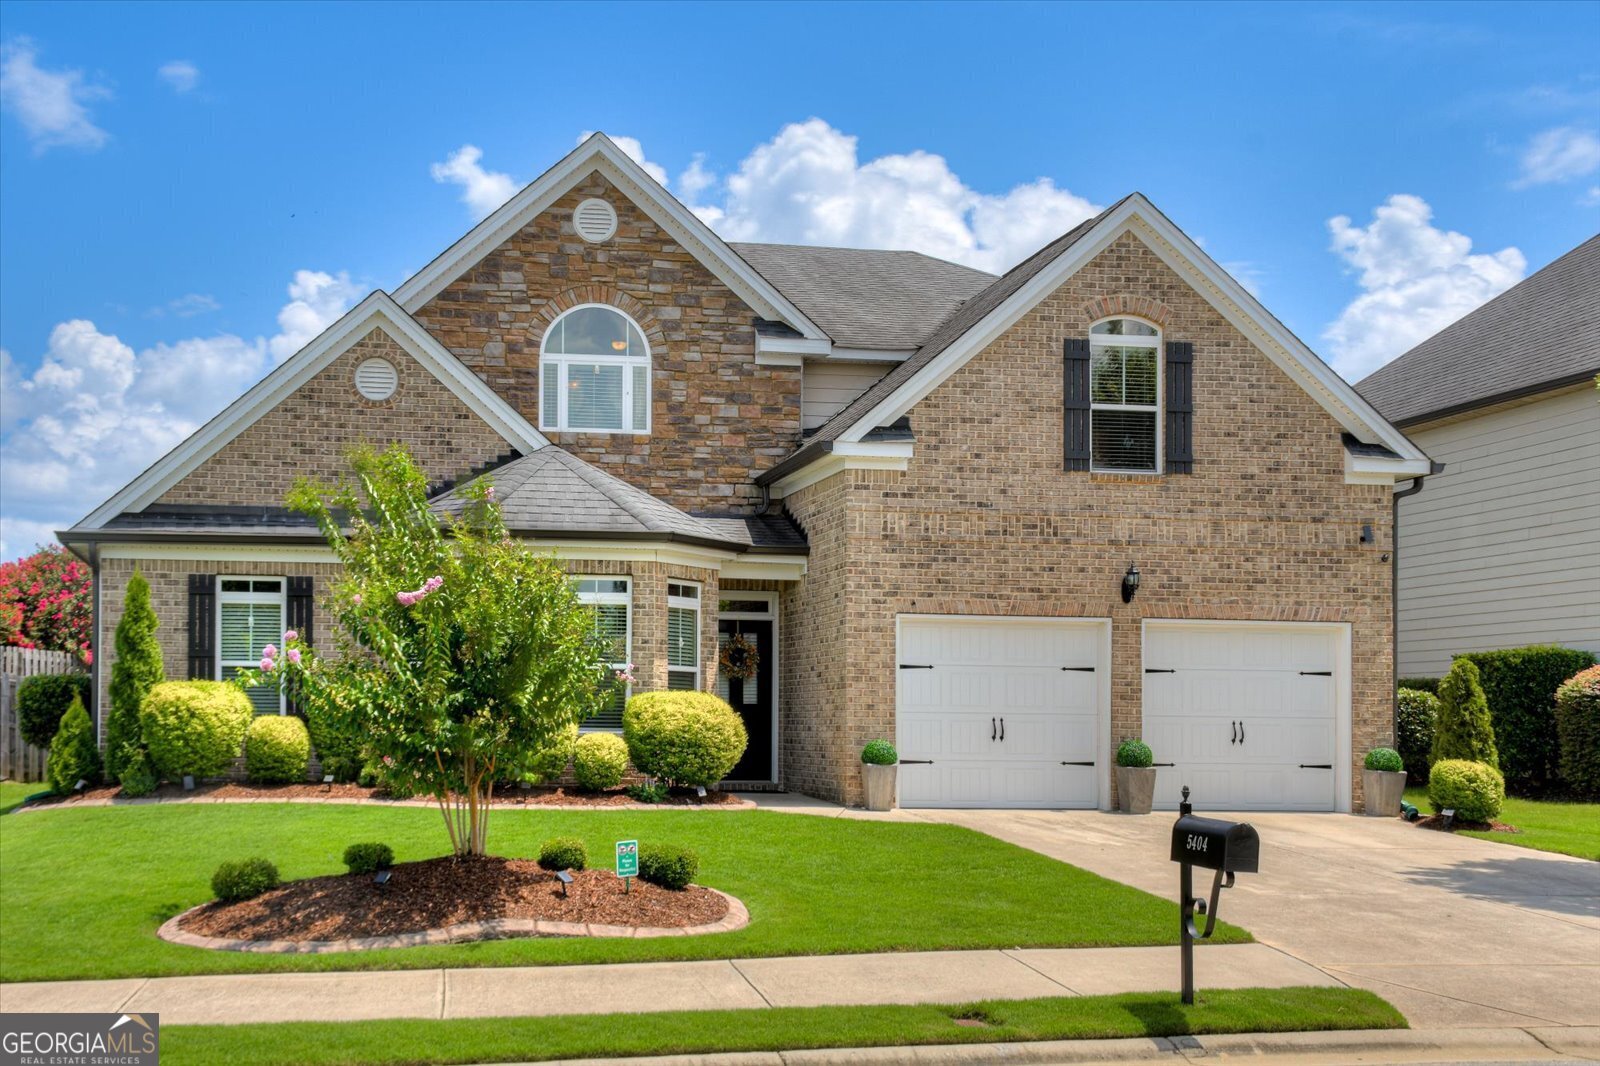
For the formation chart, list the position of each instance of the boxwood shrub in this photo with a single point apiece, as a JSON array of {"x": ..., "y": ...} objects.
[
  {"x": 243, "y": 879},
  {"x": 41, "y": 701},
  {"x": 600, "y": 761},
  {"x": 879, "y": 753},
  {"x": 550, "y": 761},
  {"x": 1385, "y": 759},
  {"x": 194, "y": 727},
  {"x": 1578, "y": 722},
  {"x": 74, "y": 755},
  {"x": 686, "y": 738},
  {"x": 1135, "y": 754},
  {"x": 1474, "y": 790},
  {"x": 563, "y": 853},
  {"x": 1415, "y": 711},
  {"x": 277, "y": 749},
  {"x": 1520, "y": 684},
  {"x": 667, "y": 865},
  {"x": 1419, "y": 684},
  {"x": 368, "y": 858}
]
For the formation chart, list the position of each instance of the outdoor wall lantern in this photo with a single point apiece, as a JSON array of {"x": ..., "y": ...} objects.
[{"x": 1130, "y": 583}]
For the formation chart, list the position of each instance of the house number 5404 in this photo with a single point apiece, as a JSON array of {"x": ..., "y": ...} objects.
[{"x": 1198, "y": 843}]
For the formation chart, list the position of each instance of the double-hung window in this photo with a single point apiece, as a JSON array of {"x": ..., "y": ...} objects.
[
  {"x": 1124, "y": 387},
  {"x": 594, "y": 373},
  {"x": 683, "y": 635},
  {"x": 610, "y": 600},
  {"x": 249, "y": 617}
]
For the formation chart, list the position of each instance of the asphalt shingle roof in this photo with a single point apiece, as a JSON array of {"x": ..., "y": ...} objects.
[
  {"x": 1542, "y": 332},
  {"x": 867, "y": 298}
]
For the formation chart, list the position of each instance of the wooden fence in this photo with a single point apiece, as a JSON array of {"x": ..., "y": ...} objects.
[{"x": 19, "y": 761}]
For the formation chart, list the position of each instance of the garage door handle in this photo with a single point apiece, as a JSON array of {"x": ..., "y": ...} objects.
[
  {"x": 1316, "y": 766},
  {"x": 1153, "y": 670},
  {"x": 916, "y": 666},
  {"x": 1080, "y": 669},
  {"x": 1235, "y": 739},
  {"x": 991, "y": 729},
  {"x": 916, "y": 762},
  {"x": 1316, "y": 673},
  {"x": 1241, "y": 732},
  {"x": 1002, "y": 729},
  {"x": 1089, "y": 763}
]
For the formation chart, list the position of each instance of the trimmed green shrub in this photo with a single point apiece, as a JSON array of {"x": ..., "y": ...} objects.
[
  {"x": 667, "y": 865},
  {"x": 74, "y": 756},
  {"x": 550, "y": 761},
  {"x": 194, "y": 727},
  {"x": 136, "y": 670},
  {"x": 1429, "y": 685},
  {"x": 1386, "y": 759},
  {"x": 277, "y": 749},
  {"x": 685, "y": 738},
  {"x": 41, "y": 701},
  {"x": 1474, "y": 790},
  {"x": 648, "y": 792},
  {"x": 1414, "y": 714},
  {"x": 368, "y": 858},
  {"x": 879, "y": 753},
  {"x": 1520, "y": 684},
  {"x": 243, "y": 879},
  {"x": 563, "y": 853},
  {"x": 1135, "y": 754},
  {"x": 138, "y": 777},
  {"x": 1578, "y": 723},
  {"x": 1462, "y": 729},
  {"x": 600, "y": 761}
]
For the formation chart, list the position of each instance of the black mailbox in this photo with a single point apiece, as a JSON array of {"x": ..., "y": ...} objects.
[{"x": 1232, "y": 847}]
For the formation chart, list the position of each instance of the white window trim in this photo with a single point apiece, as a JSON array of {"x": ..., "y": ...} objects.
[
  {"x": 692, "y": 604},
  {"x": 595, "y": 599},
  {"x": 1117, "y": 340},
  {"x": 279, "y": 598},
  {"x": 565, "y": 360}
]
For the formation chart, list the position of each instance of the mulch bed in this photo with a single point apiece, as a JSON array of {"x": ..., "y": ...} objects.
[
  {"x": 439, "y": 892},
  {"x": 1436, "y": 821},
  {"x": 542, "y": 796}
]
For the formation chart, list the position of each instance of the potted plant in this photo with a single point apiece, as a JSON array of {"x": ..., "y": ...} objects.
[
  {"x": 1383, "y": 782},
  {"x": 1136, "y": 777},
  {"x": 878, "y": 762}
]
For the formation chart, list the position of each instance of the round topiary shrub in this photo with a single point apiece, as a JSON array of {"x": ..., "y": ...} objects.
[
  {"x": 368, "y": 858},
  {"x": 687, "y": 738},
  {"x": 243, "y": 879},
  {"x": 1578, "y": 725},
  {"x": 1386, "y": 759},
  {"x": 564, "y": 853},
  {"x": 667, "y": 865},
  {"x": 550, "y": 761},
  {"x": 879, "y": 753},
  {"x": 194, "y": 727},
  {"x": 41, "y": 701},
  {"x": 600, "y": 761},
  {"x": 1474, "y": 790},
  {"x": 74, "y": 755},
  {"x": 1135, "y": 754},
  {"x": 277, "y": 749},
  {"x": 1415, "y": 711}
]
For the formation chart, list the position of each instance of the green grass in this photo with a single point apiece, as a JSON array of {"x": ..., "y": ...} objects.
[
  {"x": 1143, "y": 1014},
  {"x": 83, "y": 890},
  {"x": 12, "y": 793},
  {"x": 1569, "y": 828}
]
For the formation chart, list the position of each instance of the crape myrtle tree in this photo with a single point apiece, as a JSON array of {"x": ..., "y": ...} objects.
[{"x": 459, "y": 653}]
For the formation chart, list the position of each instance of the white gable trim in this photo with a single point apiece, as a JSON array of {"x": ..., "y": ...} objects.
[
  {"x": 600, "y": 153},
  {"x": 1138, "y": 216},
  {"x": 378, "y": 310}
]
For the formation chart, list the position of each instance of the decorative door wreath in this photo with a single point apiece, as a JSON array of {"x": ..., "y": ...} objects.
[{"x": 739, "y": 658}]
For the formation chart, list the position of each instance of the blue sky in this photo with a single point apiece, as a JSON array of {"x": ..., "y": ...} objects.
[{"x": 188, "y": 192}]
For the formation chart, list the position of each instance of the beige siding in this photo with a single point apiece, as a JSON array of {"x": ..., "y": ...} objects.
[
  {"x": 827, "y": 388},
  {"x": 1503, "y": 548}
]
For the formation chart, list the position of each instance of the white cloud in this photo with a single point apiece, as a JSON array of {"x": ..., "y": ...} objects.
[
  {"x": 186, "y": 306},
  {"x": 180, "y": 74},
  {"x": 1416, "y": 279},
  {"x": 1591, "y": 197},
  {"x": 481, "y": 190},
  {"x": 633, "y": 150},
  {"x": 1561, "y": 154},
  {"x": 50, "y": 104},
  {"x": 18, "y": 536},
  {"x": 95, "y": 412}
]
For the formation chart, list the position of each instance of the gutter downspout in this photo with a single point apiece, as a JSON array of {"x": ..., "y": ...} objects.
[
  {"x": 1394, "y": 587},
  {"x": 96, "y": 649}
]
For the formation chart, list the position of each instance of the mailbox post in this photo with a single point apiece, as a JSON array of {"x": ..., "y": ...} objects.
[{"x": 1211, "y": 844}]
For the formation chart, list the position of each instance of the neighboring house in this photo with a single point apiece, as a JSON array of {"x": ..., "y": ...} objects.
[
  {"x": 919, "y": 489},
  {"x": 1502, "y": 548}
]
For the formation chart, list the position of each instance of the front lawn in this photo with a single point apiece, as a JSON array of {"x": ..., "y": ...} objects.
[
  {"x": 83, "y": 890},
  {"x": 12, "y": 793},
  {"x": 1569, "y": 828},
  {"x": 1148, "y": 1014}
]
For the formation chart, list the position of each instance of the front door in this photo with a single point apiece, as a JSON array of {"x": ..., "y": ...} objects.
[{"x": 751, "y": 697}]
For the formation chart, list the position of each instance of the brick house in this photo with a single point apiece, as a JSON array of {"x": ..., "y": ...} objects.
[{"x": 1005, "y": 522}]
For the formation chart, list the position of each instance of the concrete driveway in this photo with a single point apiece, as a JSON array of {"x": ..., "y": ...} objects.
[{"x": 1455, "y": 932}]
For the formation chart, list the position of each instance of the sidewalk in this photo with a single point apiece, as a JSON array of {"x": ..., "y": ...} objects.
[{"x": 801, "y": 981}]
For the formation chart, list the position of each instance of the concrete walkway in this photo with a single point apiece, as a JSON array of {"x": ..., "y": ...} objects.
[{"x": 806, "y": 981}]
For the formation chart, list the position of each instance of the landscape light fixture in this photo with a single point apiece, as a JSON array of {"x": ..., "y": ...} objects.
[
  {"x": 81, "y": 785},
  {"x": 700, "y": 790},
  {"x": 327, "y": 779},
  {"x": 565, "y": 877},
  {"x": 1130, "y": 583},
  {"x": 188, "y": 782},
  {"x": 1449, "y": 816},
  {"x": 381, "y": 877}
]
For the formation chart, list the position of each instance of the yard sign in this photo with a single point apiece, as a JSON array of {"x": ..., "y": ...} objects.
[{"x": 627, "y": 858}]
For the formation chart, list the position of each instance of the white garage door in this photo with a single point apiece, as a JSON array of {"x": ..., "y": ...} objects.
[
  {"x": 1000, "y": 712},
  {"x": 1254, "y": 716}
]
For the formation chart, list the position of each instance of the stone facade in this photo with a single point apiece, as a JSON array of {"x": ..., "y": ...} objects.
[
  {"x": 312, "y": 431},
  {"x": 717, "y": 419}
]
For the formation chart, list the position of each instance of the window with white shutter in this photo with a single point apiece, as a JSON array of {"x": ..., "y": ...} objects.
[
  {"x": 683, "y": 635},
  {"x": 1124, "y": 389},
  {"x": 594, "y": 373},
  {"x": 249, "y": 617},
  {"x": 610, "y": 598}
]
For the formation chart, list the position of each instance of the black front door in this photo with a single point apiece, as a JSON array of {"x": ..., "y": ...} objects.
[{"x": 752, "y": 698}]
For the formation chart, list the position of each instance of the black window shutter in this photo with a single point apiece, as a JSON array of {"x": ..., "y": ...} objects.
[
  {"x": 300, "y": 608},
  {"x": 1180, "y": 407},
  {"x": 202, "y": 627},
  {"x": 1075, "y": 404}
]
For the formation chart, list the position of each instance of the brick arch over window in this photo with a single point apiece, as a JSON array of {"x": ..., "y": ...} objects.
[
  {"x": 1127, "y": 304},
  {"x": 597, "y": 294}
]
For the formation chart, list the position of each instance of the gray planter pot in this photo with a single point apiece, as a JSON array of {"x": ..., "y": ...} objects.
[
  {"x": 1136, "y": 787},
  {"x": 1383, "y": 789},
  {"x": 878, "y": 784}
]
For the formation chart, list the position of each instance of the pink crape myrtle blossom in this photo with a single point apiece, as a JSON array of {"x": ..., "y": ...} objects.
[
  {"x": 290, "y": 634},
  {"x": 408, "y": 599},
  {"x": 267, "y": 665},
  {"x": 294, "y": 656},
  {"x": 269, "y": 652}
]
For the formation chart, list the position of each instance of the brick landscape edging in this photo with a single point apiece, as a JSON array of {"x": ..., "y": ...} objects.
[
  {"x": 734, "y": 805},
  {"x": 463, "y": 932}
]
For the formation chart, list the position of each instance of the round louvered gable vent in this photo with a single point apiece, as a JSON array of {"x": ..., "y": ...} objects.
[
  {"x": 376, "y": 379},
  {"x": 595, "y": 221}
]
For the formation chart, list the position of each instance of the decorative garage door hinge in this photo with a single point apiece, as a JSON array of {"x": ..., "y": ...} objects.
[
  {"x": 1316, "y": 766},
  {"x": 1316, "y": 673},
  {"x": 916, "y": 666},
  {"x": 1080, "y": 669},
  {"x": 1155, "y": 670}
]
